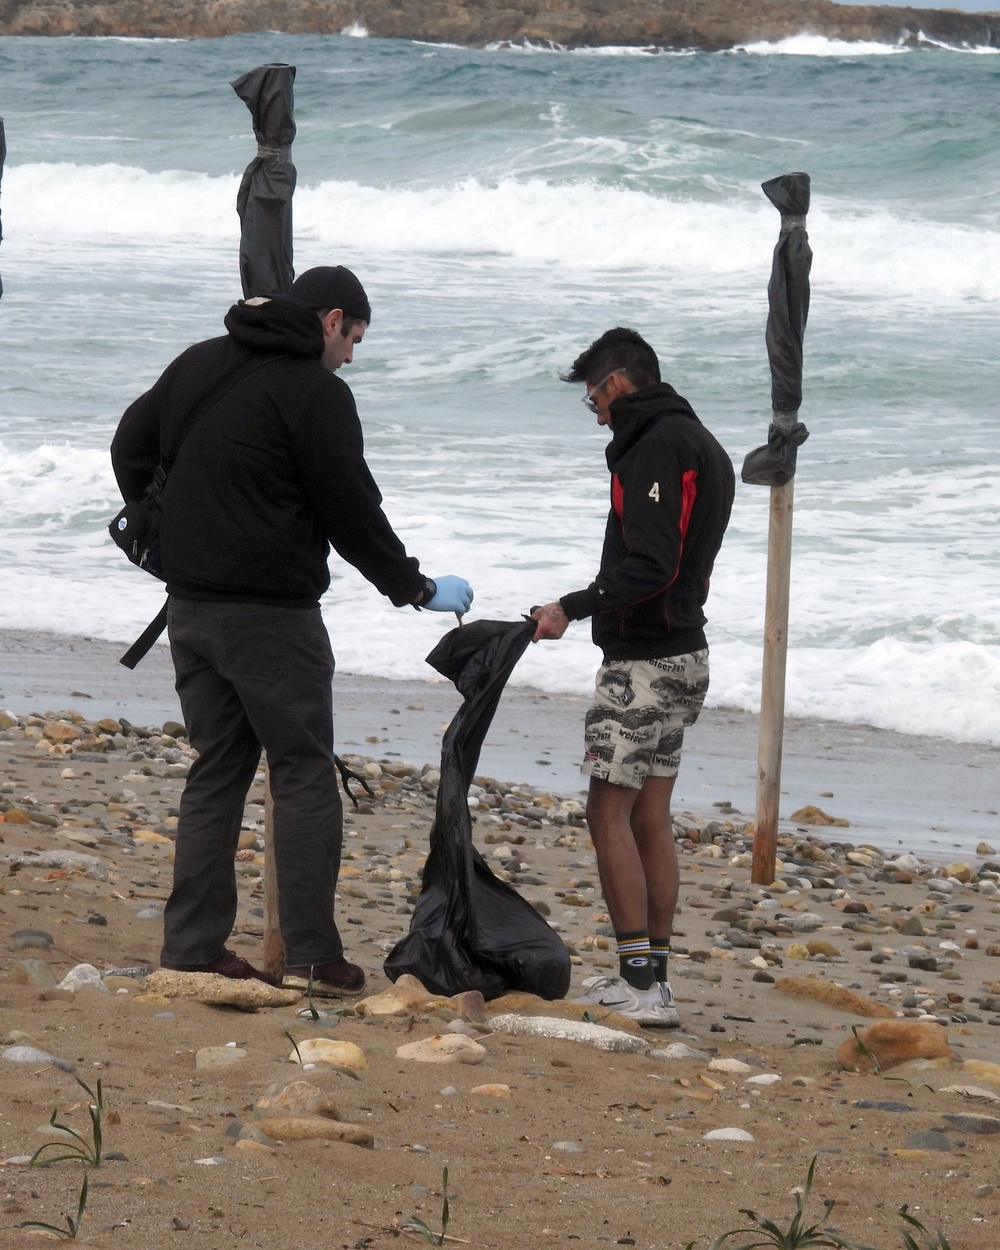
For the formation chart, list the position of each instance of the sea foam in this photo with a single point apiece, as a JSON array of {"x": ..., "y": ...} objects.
[{"x": 534, "y": 221}]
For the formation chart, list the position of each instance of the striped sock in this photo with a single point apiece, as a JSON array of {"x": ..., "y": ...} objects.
[
  {"x": 634, "y": 962},
  {"x": 659, "y": 953}
]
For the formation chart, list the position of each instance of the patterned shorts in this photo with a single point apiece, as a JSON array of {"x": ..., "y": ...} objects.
[{"x": 635, "y": 728}]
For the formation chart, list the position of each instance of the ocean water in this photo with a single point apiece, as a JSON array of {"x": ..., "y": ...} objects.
[{"x": 504, "y": 207}]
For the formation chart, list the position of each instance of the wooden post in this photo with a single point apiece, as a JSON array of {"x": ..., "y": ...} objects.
[
  {"x": 772, "y": 693},
  {"x": 274, "y": 948}
]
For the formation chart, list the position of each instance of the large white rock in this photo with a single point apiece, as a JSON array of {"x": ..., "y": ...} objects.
[
  {"x": 570, "y": 1030},
  {"x": 82, "y": 977},
  {"x": 728, "y": 1134}
]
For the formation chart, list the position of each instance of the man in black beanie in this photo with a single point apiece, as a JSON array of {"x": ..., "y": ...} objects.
[{"x": 270, "y": 475}]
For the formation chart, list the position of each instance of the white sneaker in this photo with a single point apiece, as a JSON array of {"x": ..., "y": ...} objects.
[
  {"x": 667, "y": 998},
  {"x": 645, "y": 1007}
]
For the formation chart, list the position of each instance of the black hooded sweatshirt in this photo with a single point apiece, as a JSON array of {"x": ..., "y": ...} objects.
[
  {"x": 672, "y": 488},
  {"x": 269, "y": 477}
]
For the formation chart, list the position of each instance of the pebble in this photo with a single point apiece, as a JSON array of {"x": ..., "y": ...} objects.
[
  {"x": 569, "y": 1147},
  {"x": 312, "y": 1050},
  {"x": 929, "y": 1139},
  {"x": 32, "y": 1054},
  {"x": 979, "y": 1124},
  {"x": 215, "y": 1058},
  {"x": 32, "y": 939},
  {"x": 34, "y": 972},
  {"x": 728, "y": 1134}
]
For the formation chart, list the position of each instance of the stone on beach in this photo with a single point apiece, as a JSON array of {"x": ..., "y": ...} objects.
[
  {"x": 327, "y": 1050},
  {"x": 570, "y": 1030},
  {"x": 83, "y": 977},
  {"x": 811, "y": 815},
  {"x": 217, "y": 1058},
  {"x": 837, "y": 996},
  {"x": 983, "y": 1070},
  {"x": 298, "y": 1098},
  {"x": 216, "y": 991},
  {"x": 291, "y": 1128},
  {"x": 33, "y": 1054},
  {"x": 893, "y": 1042},
  {"x": 409, "y": 997},
  {"x": 443, "y": 1048},
  {"x": 521, "y": 1004}
]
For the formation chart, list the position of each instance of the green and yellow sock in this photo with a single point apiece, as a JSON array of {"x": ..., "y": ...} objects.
[
  {"x": 634, "y": 962},
  {"x": 659, "y": 953}
]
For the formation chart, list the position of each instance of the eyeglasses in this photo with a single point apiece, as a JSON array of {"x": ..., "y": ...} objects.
[{"x": 588, "y": 399}]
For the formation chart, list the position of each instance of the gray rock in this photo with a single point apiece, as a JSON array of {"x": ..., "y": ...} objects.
[
  {"x": 32, "y": 939},
  {"x": 215, "y": 1058},
  {"x": 805, "y": 922},
  {"x": 929, "y": 1139},
  {"x": 873, "y": 1104},
  {"x": 979, "y": 1124},
  {"x": 32, "y": 1054},
  {"x": 34, "y": 972}
]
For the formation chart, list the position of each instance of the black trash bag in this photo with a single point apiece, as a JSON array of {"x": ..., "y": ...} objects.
[{"x": 471, "y": 931}]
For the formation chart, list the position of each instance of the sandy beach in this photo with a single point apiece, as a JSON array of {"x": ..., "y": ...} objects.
[{"x": 545, "y": 1138}]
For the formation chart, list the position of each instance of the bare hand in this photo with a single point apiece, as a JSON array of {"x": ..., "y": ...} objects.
[{"x": 552, "y": 621}]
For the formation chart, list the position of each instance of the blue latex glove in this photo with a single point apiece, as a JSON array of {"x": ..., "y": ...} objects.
[{"x": 454, "y": 594}]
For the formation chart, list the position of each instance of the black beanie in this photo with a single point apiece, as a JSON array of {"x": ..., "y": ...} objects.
[{"x": 333, "y": 286}]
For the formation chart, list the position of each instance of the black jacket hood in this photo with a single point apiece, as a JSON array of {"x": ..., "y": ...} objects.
[
  {"x": 278, "y": 325},
  {"x": 631, "y": 415}
]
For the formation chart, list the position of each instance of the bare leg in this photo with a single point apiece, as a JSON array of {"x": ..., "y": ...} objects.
[
  {"x": 623, "y": 881},
  {"x": 632, "y": 833},
  {"x": 652, "y": 828}
]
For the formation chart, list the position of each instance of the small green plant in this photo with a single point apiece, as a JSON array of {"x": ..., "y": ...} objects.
[
  {"x": 876, "y": 1066},
  {"x": 72, "y": 1229},
  {"x": 797, "y": 1236},
  {"x": 418, "y": 1225},
  {"x": 313, "y": 1013},
  {"x": 940, "y": 1241},
  {"x": 80, "y": 1149},
  {"x": 295, "y": 1047}
]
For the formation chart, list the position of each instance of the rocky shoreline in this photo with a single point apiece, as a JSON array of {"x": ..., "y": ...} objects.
[
  {"x": 710, "y": 25},
  {"x": 239, "y": 1111}
]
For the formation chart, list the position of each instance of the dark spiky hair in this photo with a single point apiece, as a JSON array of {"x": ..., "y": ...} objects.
[{"x": 617, "y": 351}]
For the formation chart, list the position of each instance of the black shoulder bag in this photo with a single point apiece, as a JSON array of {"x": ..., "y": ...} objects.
[{"x": 136, "y": 527}]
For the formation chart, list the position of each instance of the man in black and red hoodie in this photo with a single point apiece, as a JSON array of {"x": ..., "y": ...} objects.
[{"x": 672, "y": 487}]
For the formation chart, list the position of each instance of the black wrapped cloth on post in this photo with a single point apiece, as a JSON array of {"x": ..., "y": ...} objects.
[
  {"x": 264, "y": 200},
  {"x": 788, "y": 311},
  {"x": 471, "y": 931}
]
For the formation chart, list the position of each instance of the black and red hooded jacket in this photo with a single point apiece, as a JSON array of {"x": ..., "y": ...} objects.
[{"x": 672, "y": 487}]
